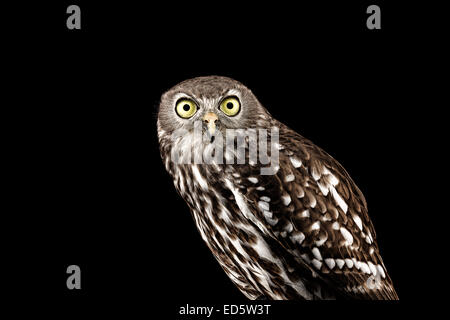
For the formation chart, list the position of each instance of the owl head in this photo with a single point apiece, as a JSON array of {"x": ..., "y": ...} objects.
[{"x": 217, "y": 103}]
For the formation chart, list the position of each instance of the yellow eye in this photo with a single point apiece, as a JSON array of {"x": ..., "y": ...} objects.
[
  {"x": 230, "y": 106},
  {"x": 186, "y": 108}
]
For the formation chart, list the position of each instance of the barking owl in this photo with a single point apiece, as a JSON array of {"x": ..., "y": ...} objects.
[{"x": 281, "y": 216}]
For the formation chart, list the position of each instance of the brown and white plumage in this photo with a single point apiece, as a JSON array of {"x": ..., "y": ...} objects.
[{"x": 302, "y": 233}]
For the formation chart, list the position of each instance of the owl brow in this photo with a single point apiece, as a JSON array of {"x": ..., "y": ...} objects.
[
  {"x": 233, "y": 92},
  {"x": 227, "y": 93},
  {"x": 181, "y": 95}
]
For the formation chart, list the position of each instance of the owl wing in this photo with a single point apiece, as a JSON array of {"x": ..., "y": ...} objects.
[{"x": 313, "y": 209}]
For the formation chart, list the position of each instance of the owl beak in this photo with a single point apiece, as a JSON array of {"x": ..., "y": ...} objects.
[{"x": 211, "y": 120}]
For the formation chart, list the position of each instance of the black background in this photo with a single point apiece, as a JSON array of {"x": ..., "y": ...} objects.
[{"x": 93, "y": 190}]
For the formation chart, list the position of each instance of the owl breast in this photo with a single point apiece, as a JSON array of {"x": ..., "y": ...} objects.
[{"x": 236, "y": 238}]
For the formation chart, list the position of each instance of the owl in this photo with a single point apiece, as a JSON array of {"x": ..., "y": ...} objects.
[{"x": 288, "y": 225}]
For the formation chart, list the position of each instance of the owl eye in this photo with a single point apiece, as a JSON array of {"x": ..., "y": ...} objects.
[
  {"x": 186, "y": 108},
  {"x": 230, "y": 106}
]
